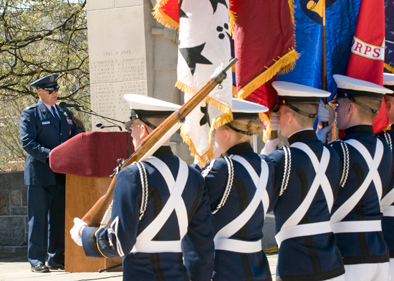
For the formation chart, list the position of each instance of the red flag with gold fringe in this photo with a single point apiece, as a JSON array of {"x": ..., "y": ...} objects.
[
  {"x": 366, "y": 60},
  {"x": 167, "y": 13},
  {"x": 263, "y": 33}
]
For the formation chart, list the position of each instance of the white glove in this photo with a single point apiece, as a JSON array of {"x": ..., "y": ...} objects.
[
  {"x": 274, "y": 120},
  {"x": 325, "y": 113},
  {"x": 272, "y": 145},
  {"x": 78, "y": 224},
  {"x": 325, "y": 134}
]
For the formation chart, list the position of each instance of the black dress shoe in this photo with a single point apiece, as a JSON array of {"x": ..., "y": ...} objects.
[
  {"x": 56, "y": 267},
  {"x": 40, "y": 268}
]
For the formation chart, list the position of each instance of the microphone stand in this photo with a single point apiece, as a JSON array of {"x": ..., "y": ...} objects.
[{"x": 78, "y": 108}]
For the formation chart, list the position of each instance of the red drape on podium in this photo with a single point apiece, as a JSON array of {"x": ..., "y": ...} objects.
[{"x": 92, "y": 154}]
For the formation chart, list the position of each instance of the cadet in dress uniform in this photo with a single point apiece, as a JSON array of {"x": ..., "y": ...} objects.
[
  {"x": 160, "y": 209},
  {"x": 44, "y": 126},
  {"x": 307, "y": 174},
  {"x": 387, "y": 202},
  {"x": 238, "y": 184},
  {"x": 356, "y": 216}
]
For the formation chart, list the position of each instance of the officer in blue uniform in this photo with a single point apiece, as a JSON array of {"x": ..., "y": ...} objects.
[
  {"x": 238, "y": 185},
  {"x": 387, "y": 202},
  {"x": 160, "y": 222},
  {"x": 307, "y": 173},
  {"x": 44, "y": 126},
  {"x": 356, "y": 215}
]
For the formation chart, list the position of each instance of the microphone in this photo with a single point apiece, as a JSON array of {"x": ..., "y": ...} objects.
[
  {"x": 64, "y": 105},
  {"x": 101, "y": 126}
]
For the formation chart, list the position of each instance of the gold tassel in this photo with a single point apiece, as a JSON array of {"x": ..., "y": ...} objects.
[
  {"x": 163, "y": 18},
  {"x": 285, "y": 63},
  {"x": 388, "y": 67}
]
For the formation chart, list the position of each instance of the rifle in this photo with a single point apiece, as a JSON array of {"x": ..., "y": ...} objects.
[{"x": 151, "y": 143}]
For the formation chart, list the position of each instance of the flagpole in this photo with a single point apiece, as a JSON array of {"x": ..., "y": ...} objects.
[{"x": 324, "y": 57}]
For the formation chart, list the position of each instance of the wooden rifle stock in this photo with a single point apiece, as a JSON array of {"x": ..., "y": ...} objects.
[{"x": 95, "y": 214}]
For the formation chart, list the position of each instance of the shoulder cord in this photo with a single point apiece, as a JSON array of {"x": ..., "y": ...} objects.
[
  {"x": 144, "y": 185},
  {"x": 345, "y": 171},
  {"x": 230, "y": 179},
  {"x": 388, "y": 140},
  {"x": 287, "y": 169}
]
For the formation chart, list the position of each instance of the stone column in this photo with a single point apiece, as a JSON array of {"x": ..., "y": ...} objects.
[{"x": 129, "y": 53}]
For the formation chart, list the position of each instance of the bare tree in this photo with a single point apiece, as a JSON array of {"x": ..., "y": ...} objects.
[{"x": 38, "y": 38}]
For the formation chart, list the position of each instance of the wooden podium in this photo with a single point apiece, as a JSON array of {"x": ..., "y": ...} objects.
[
  {"x": 81, "y": 194},
  {"x": 87, "y": 160}
]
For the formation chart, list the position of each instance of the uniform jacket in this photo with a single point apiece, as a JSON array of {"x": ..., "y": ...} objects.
[
  {"x": 232, "y": 265},
  {"x": 308, "y": 257},
  {"x": 362, "y": 247},
  {"x": 388, "y": 220},
  {"x": 120, "y": 237},
  {"x": 40, "y": 133}
]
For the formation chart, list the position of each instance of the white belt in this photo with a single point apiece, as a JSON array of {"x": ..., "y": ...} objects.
[
  {"x": 356, "y": 226},
  {"x": 157, "y": 247},
  {"x": 388, "y": 211},
  {"x": 238, "y": 246},
  {"x": 307, "y": 229}
]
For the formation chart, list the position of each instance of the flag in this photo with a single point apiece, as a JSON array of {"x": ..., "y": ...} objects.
[
  {"x": 204, "y": 49},
  {"x": 389, "y": 53},
  {"x": 366, "y": 60},
  {"x": 264, "y": 46},
  {"x": 167, "y": 13},
  {"x": 341, "y": 19}
]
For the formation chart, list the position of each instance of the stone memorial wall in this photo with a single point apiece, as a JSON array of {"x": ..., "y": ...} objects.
[{"x": 129, "y": 53}]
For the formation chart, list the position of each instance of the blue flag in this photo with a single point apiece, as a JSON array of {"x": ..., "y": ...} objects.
[{"x": 341, "y": 19}]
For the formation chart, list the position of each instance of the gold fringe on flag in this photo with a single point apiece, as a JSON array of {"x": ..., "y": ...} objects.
[
  {"x": 203, "y": 159},
  {"x": 184, "y": 88},
  {"x": 226, "y": 117},
  {"x": 389, "y": 67},
  {"x": 292, "y": 11},
  {"x": 221, "y": 106},
  {"x": 190, "y": 91},
  {"x": 162, "y": 17},
  {"x": 233, "y": 19},
  {"x": 282, "y": 65}
]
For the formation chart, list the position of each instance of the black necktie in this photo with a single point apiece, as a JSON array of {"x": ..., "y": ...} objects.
[{"x": 55, "y": 115}]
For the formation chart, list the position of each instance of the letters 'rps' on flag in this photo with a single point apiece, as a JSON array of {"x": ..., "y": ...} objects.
[
  {"x": 204, "y": 49},
  {"x": 389, "y": 54},
  {"x": 264, "y": 46},
  {"x": 366, "y": 60}
]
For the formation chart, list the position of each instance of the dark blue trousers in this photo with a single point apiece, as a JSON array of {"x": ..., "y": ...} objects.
[{"x": 46, "y": 208}]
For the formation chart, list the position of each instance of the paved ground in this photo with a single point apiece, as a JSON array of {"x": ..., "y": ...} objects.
[{"x": 15, "y": 267}]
